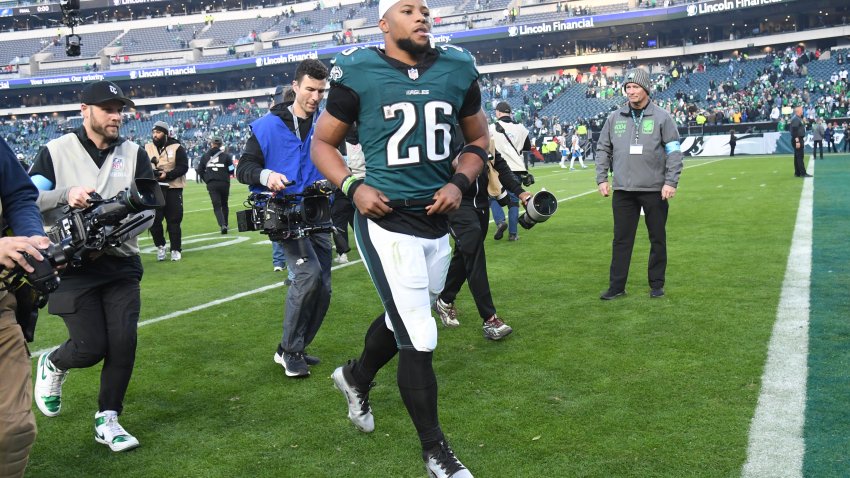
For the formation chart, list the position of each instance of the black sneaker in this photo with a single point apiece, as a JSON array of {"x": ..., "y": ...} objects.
[
  {"x": 311, "y": 359},
  {"x": 500, "y": 231},
  {"x": 224, "y": 229},
  {"x": 656, "y": 293},
  {"x": 441, "y": 462},
  {"x": 294, "y": 365},
  {"x": 612, "y": 294}
]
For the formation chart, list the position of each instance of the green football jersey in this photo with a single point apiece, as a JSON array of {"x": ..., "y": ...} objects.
[{"x": 405, "y": 118}]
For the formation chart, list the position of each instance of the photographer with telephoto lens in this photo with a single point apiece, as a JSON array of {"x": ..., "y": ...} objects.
[
  {"x": 99, "y": 300},
  {"x": 277, "y": 159}
]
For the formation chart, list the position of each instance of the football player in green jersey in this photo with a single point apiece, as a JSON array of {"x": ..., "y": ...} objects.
[{"x": 404, "y": 99}]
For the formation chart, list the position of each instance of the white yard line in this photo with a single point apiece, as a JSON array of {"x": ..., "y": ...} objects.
[
  {"x": 207, "y": 305},
  {"x": 776, "y": 446}
]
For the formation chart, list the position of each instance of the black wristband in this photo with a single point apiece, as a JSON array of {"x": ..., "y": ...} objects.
[
  {"x": 461, "y": 181},
  {"x": 476, "y": 150},
  {"x": 356, "y": 184}
]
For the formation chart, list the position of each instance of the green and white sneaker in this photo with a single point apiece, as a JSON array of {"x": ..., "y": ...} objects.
[
  {"x": 108, "y": 431},
  {"x": 48, "y": 386}
]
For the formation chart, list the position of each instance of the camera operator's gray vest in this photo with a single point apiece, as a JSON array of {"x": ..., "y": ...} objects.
[{"x": 72, "y": 166}]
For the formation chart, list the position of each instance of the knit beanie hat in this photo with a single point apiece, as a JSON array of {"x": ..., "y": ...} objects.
[
  {"x": 639, "y": 77},
  {"x": 161, "y": 126}
]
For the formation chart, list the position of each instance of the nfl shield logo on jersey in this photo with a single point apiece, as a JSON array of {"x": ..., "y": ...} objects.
[{"x": 413, "y": 73}]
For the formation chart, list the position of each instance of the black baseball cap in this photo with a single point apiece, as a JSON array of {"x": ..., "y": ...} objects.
[
  {"x": 103, "y": 91},
  {"x": 503, "y": 107}
]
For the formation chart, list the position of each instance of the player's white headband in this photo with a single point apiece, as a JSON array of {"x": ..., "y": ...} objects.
[{"x": 385, "y": 5}]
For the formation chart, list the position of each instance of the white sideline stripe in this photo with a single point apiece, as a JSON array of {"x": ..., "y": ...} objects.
[
  {"x": 776, "y": 446},
  {"x": 207, "y": 305}
]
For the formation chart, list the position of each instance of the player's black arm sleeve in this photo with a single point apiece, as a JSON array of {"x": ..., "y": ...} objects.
[
  {"x": 251, "y": 163},
  {"x": 343, "y": 104},
  {"x": 472, "y": 101}
]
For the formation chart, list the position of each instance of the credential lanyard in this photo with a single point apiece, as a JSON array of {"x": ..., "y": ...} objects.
[{"x": 638, "y": 122}]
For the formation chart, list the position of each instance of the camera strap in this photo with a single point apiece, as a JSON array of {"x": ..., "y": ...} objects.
[{"x": 501, "y": 129}]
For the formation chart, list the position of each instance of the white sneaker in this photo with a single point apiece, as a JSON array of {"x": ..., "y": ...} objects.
[
  {"x": 176, "y": 256},
  {"x": 359, "y": 410},
  {"x": 108, "y": 431},
  {"x": 48, "y": 386},
  {"x": 278, "y": 269},
  {"x": 441, "y": 462},
  {"x": 447, "y": 313},
  {"x": 342, "y": 259},
  {"x": 160, "y": 253}
]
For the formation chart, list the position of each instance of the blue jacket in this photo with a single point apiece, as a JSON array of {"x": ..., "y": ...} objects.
[
  {"x": 285, "y": 153},
  {"x": 18, "y": 195}
]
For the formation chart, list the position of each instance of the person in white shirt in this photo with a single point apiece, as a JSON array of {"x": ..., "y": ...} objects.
[{"x": 577, "y": 152}]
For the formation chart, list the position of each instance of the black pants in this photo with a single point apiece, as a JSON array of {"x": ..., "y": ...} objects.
[
  {"x": 102, "y": 324},
  {"x": 219, "y": 195},
  {"x": 731, "y": 149},
  {"x": 799, "y": 168},
  {"x": 342, "y": 215},
  {"x": 818, "y": 144},
  {"x": 626, "y": 206},
  {"x": 469, "y": 228},
  {"x": 830, "y": 147},
  {"x": 173, "y": 213}
]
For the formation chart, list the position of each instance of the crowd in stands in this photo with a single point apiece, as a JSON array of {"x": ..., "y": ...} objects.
[{"x": 696, "y": 91}]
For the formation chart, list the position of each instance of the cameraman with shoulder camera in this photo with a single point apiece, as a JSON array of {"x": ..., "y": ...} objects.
[
  {"x": 511, "y": 140},
  {"x": 19, "y": 211},
  {"x": 99, "y": 300},
  {"x": 277, "y": 158},
  {"x": 171, "y": 162}
]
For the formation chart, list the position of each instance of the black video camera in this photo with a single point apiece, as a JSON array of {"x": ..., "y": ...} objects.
[
  {"x": 107, "y": 222},
  {"x": 288, "y": 216}
]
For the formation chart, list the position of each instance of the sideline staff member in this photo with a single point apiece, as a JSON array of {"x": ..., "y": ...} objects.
[
  {"x": 171, "y": 162},
  {"x": 798, "y": 135},
  {"x": 640, "y": 144},
  {"x": 19, "y": 211},
  {"x": 215, "y": 168},
  {"x": 99, "y": 301},
  {"x": 277, "y": 152},
  {"x": 511, "y": 141}
]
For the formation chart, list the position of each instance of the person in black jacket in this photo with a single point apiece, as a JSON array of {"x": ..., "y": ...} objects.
[
  {"x": 468, "y": 226},
  {"x": 215, "y": 168},
  {"x": 171, "y": 162},
  {"x": 798, "y": 133}
]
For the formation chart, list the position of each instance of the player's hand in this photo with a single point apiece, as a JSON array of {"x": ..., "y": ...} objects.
[
  {"x": 667, "y": 192},
  {"x": 445, "y": 200},
  {"x": 12, "y": 249},
  {"x": 603, "y": 189},
  {"x": 371, "y": 202},
  {"x": 78, "y": 196},
  {"x": 525, "y": 197},
  {"x": 277, "y": 182}
]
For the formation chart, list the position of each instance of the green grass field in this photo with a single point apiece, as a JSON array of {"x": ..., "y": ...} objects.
[{"x": 583, "y": 388}]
